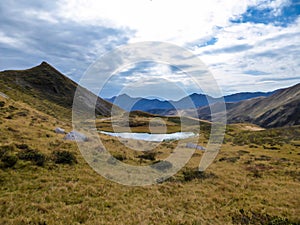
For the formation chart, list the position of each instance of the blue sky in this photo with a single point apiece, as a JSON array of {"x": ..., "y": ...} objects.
[{"x": 247, "y": 45}]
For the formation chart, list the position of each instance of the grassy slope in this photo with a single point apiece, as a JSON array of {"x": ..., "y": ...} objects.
[
  {"x": 277, "y": 110},
  {"x": 46, "y": 89},
  {"x": 280, "y": 109},
  {"x": 244, "y": 183}
]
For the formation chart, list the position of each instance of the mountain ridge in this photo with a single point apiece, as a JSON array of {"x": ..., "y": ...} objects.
[
  {"x": 277, "y": 110},
  {"x": 194, "y": 100},
  {"x": 48, "y": 90}
]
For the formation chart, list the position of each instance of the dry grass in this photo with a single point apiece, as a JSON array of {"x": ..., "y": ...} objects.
[{"x": 242, "y": 184}]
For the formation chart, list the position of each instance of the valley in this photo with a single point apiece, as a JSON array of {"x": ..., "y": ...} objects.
[{"x": 255, "y": 178}]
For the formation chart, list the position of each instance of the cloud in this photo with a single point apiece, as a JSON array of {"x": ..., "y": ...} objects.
[
  {"x": 277, "y": 12},
  {"x": 37, "y": 34},
  {"x": 231, "y": 49},
  {"x": 274, "y": 51},
  {"x": 255, "y": 72},
  {"x": 174, "y": 21},
  {"x": 249, "y": 45},
  {"x": 149, "y": 79}
]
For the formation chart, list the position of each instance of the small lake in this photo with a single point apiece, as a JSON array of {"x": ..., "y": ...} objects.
[{"x": 152, "y": 137}]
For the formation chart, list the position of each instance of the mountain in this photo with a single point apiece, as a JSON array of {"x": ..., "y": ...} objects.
[
  {"x": 143, "y": 104},
  {"x": 157, "y": 106},
  {"x": 46, "y": 89},
  {"x": 277, "y": 110},
  {"x": 247, "y": 95},
  {"x": 280, "y": 109}
]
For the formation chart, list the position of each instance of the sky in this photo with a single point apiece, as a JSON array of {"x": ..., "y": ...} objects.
[{"x": 247, "y": 45}]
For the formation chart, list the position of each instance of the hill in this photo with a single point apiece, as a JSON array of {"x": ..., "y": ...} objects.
[
  {"x": 280, "y": 109},
  {"x": 46, "y": 89},
  {"x": 277, "y": 110}
]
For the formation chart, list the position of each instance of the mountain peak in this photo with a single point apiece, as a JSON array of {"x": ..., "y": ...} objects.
[
  {"x": 46, "y": 70},
  {"x": 46, "y": 65},
  {"x": 124, "y": 95}
]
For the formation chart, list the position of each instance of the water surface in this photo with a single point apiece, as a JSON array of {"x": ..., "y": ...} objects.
[{"x": 152, "y": 137}]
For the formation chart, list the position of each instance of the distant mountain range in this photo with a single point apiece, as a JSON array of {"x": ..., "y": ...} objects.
[
  {"x": 157, "y": 106},
  {"x": 46, "y": 89},
  {"x": 267, "y": 109}
]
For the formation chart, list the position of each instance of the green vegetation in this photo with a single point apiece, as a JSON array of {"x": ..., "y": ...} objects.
[
  {"x": 267, "y": 138},
  {"x": 32, "y": 155},
  {"x": 64, "y": 157},
  {"x": 257, "y": 218},
  {"x": 190, "y": 174},
  {"x": 8, "y": 161}
]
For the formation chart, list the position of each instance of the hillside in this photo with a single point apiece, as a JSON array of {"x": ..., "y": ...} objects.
[
  {"x": 280, "y": 109},
  {"x": 277, "y": 110},
  {"x": 48, "y": 90},
  {"x": 37, "y": 188}
]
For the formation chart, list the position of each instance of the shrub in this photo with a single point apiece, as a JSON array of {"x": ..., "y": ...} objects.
[
  {"x": 2, "y": 103},
  {"x": 9, "y": 117},
  {"x": 191, "y": 174},
  {"x": 9, "y": 160},
  {"x": 5, "y": 149},
  {"x": 64, "y": 157},
  {"x": 12, "y": 108},
  {"x": 149, "y": 155},
  {"x": 256, "y": 174},
  {"x": 34, "y": 156},
  {"x": 120, "y": 157},
  {"x": 22, "y": 113},
  {"x": 229, "y": 159},
  {"x": 242, "y": 152},
  {"x": 251, "y": 217},
  {"x": 263, "y": 158},
  {"x": 22, "y": 146}
]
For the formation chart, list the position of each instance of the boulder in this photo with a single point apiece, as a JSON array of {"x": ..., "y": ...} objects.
[
  {"x": 75, "y": 136},
  {"x": 192, "y": 145},
  {"x": 59, "y": 130}
]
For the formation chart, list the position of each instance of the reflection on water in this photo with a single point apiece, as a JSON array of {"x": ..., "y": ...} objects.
[{"x": 152, "y": 137}]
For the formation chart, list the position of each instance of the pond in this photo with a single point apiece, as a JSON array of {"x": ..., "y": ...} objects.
[{"x": 152, "y": 137}]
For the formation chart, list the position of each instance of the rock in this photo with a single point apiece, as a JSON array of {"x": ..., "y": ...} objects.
[
  {"x": 75, "y": 136},
  {"x": 59, "y": 130},
  {"x": 192, "y": 145}
]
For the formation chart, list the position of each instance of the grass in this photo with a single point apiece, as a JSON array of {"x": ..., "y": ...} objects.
[
  {"x": 47, "y": 90},
  {"x": 152, "y": 124},
  {"x": 244, "y": 185}
]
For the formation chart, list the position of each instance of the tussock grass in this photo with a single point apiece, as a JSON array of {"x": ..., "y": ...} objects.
[{"x": 260, "y": 187}]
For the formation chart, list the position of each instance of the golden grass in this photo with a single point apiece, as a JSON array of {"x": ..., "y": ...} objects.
[{"x": 241, "y": 178}]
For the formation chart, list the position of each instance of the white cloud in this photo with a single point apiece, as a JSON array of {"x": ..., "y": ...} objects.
[
  {"x": 81, "y": 30},
  {"x": 41, "y": 15},
  {"x": 240, "y": 47},
  {"x": 275, "y": 5},
  {"x": 8, "y": 40},
  {"x": 175, "y": 21},
  {"x": 274, "y": 51}
]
